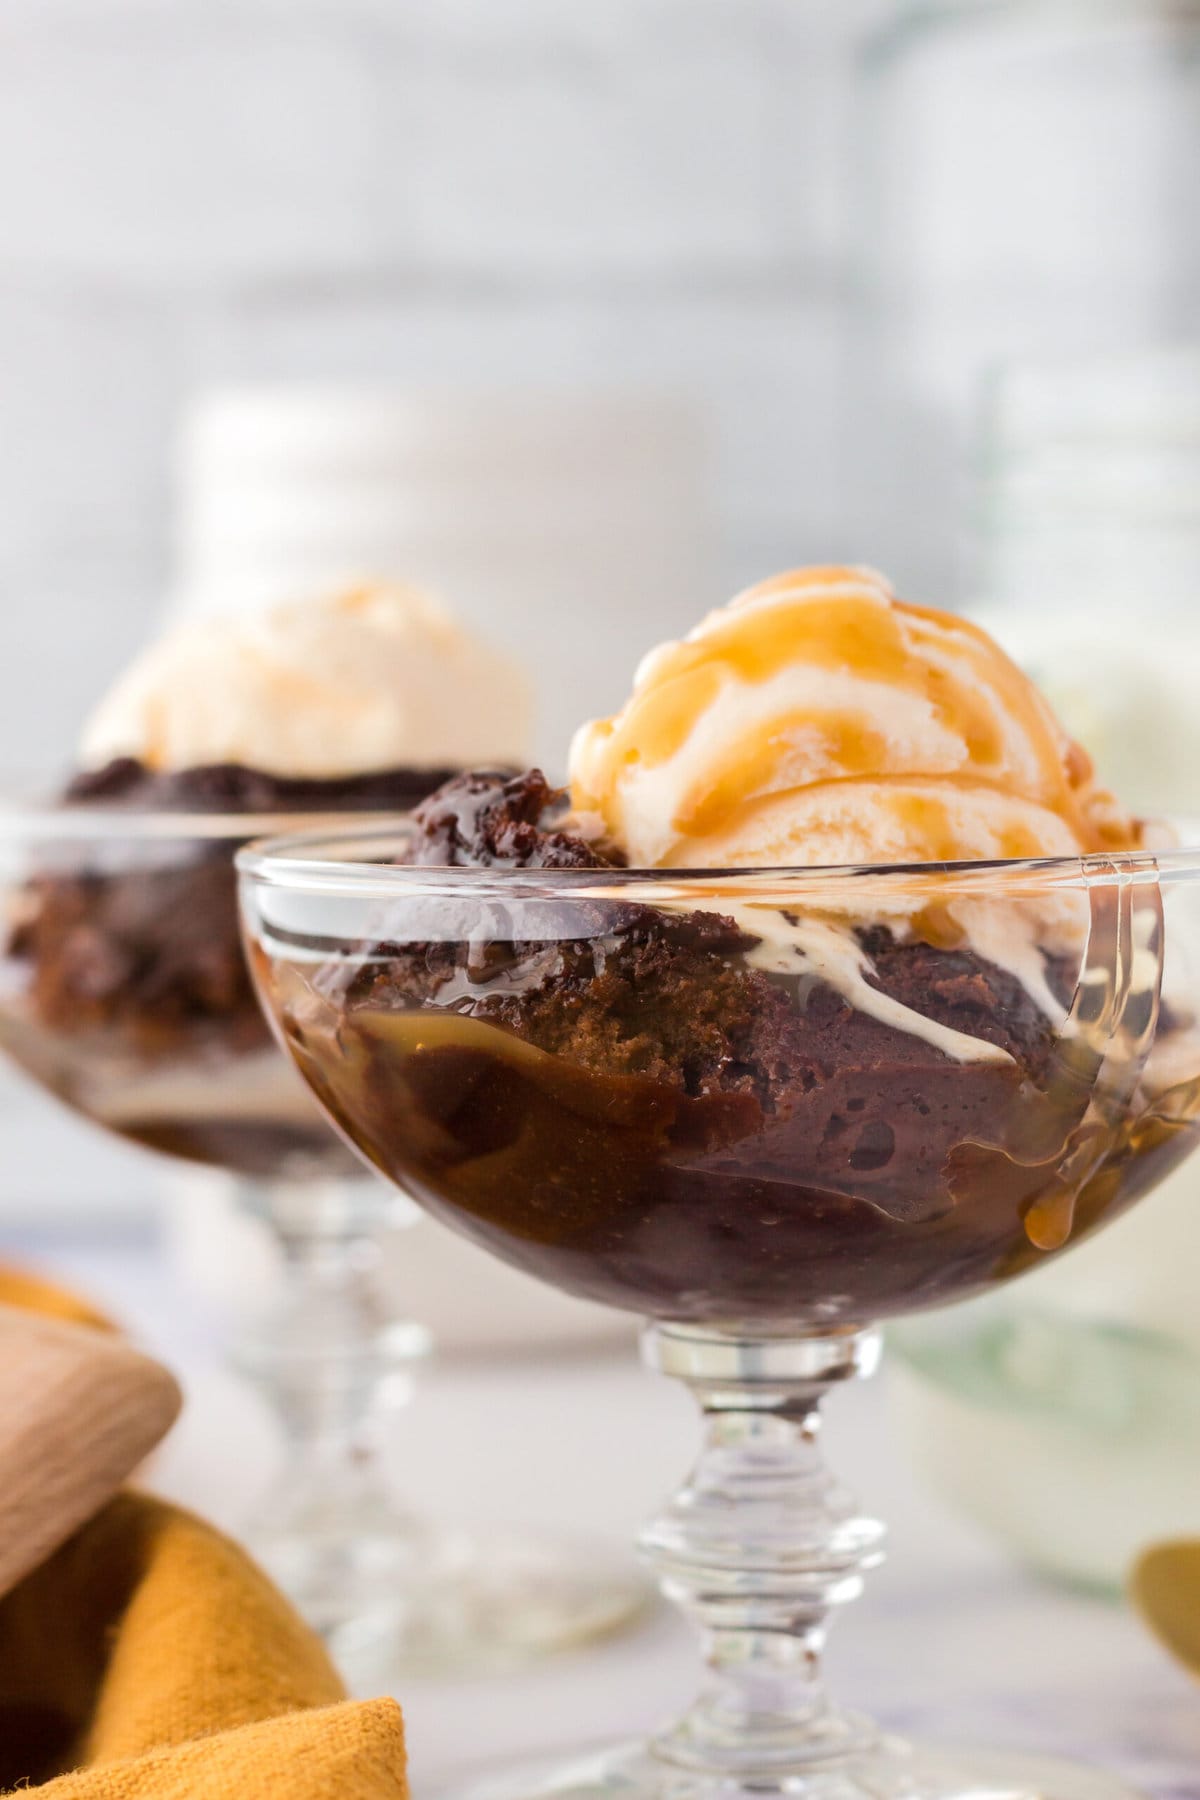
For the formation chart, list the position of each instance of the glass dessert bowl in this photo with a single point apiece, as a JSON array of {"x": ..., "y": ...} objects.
[
  {"x": 124, "y": 990},
  {"x": 648, "y": 1089}
]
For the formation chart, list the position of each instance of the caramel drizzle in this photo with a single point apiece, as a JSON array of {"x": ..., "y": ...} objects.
[{"x": 847, "y": 622}]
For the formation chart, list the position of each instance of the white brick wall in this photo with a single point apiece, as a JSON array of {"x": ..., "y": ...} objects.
[
  {"x": 177, "y": 151},
  {"x": 447, "y": 190}
]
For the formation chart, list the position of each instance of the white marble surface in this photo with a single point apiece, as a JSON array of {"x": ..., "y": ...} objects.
[{"x": 950, "y": 1640}]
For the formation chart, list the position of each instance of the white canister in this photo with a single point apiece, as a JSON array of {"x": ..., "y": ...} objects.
[{"x": 576, "y": 529}]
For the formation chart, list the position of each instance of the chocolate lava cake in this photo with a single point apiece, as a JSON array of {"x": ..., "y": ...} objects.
[{"x": 615, "y": 1098}]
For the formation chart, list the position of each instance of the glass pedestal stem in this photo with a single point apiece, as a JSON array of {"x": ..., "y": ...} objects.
[
  {"x": 335, "y": 1363},
  {"x": 391, "y": 1592},
  {"x": 759, "y": 1547}
]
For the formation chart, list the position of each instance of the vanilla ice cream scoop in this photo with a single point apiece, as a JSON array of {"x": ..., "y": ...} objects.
[
  {"x": 816, "y": 721},
  {"x": 373, "y": 678}
]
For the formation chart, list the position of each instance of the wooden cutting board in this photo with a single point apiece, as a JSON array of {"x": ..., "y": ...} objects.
[{"x": 79, "y": 1409}]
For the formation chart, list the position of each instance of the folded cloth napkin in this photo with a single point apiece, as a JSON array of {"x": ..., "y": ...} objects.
[{"x": 150, "y": 1659}]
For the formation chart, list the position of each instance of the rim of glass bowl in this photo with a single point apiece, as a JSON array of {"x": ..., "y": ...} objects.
[
  {"x": 34, "y": 819},
  {"x": 322, "y": 861}
]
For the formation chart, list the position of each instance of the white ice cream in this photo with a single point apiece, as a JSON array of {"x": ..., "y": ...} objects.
[
  {"x": 374, "y": 678},
  {"x": 818, "y": 721}
]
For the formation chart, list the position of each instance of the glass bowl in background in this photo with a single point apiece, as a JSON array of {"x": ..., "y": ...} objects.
[
  {"x": 1087, "y": 568},
  {"x": 1064, "y": 1417},
  {"x": 124, "y": 991},
  {"x": 766, "y": 1109}
]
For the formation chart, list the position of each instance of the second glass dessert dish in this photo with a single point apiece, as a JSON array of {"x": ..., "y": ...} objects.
[
  {"x": 124, "y": 990},
  {"x": 767, "y": 1105}
]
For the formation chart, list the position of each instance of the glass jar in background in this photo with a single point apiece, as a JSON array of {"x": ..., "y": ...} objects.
[
  {"x": 1088, "y": 556},
  {"x": 1025, "y": 187},
  {"x": 1064, "y": 1416}
]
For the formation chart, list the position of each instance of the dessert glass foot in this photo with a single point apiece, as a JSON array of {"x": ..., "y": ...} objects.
[
  {"x": 391, "y": 1593},
  {"x": 887, "y": 1769},
  {"x": 764, "y": 1108},
  {"x": 392, "y": 1596}
]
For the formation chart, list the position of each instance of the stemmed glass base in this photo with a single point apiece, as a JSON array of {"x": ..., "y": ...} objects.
[
  {"x": 758, "y": 1548},
  {"x": 392, "y": 1597},
  {"x": 886, "y": 1769},
  {"x": 390, "y": 1593}
]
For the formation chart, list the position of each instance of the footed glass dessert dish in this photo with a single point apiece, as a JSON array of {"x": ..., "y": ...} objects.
[
  {"x": 766, "y": 1109},
  {"x": 124, "y": 991}
]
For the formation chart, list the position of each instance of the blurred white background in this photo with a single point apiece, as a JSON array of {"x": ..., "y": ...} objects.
[{"x": 446, "y": 192}]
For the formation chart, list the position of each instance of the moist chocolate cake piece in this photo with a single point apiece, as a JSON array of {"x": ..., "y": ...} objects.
[
  {"x": 234, "y": 788},
  {"x": 152, "y": 949},
  {"x": 829, "y": 1099},
  {"x": 647, "y": 1119},
  {"x": 157, "y": 949},
  {"x": 673, "y": 1000},
  {"x": 488, "y": 819},
  {"x": 669, "y": 994}
]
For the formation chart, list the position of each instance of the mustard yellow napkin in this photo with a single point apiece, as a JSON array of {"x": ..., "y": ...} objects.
[
  {"x": 150, "y": 1659},
  {"x": 33, "y": 1292}
]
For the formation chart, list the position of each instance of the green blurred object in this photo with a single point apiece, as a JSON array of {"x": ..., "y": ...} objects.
[{"x": 1063, "y": 1416}]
